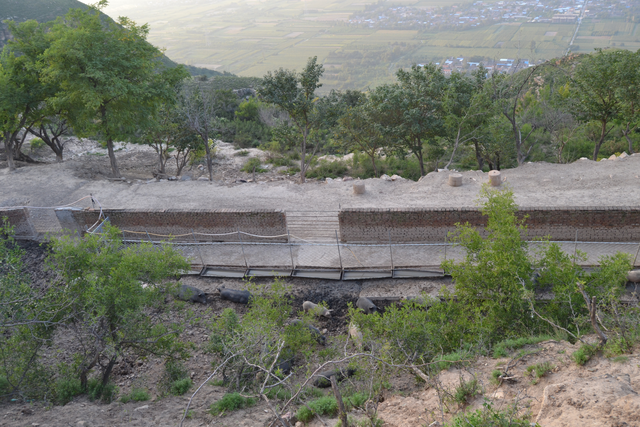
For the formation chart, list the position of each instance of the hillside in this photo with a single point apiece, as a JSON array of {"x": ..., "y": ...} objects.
[{"x": 48, "y": 10}]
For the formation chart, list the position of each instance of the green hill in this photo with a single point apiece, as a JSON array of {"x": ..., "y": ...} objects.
[{"x": 48, "y": 10}]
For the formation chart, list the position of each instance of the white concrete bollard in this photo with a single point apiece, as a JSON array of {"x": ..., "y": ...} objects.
[
  {"x": 358, "y": 188},
  {"x": 455, "y": 180},
  {"x": 494, "y": 178}
]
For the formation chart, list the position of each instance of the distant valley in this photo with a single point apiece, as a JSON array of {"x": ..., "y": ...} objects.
[{"x": 362, "y": 44}]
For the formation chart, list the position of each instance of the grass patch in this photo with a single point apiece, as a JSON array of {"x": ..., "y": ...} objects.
[
  {"x": 446, "y": 361},
  {"x": 180, "y": 387},
  {"x": 136, "y": 395},
  {"x": 495, "y": 376},
  {"x": 253, "y": 163},
  {"x": 279, "y": 393},
  {"x": 583, "y": 354},
  {"x": 466, "y": 391},
  {"x": 489, "y": 417},
  {"x": 503, "y": 348},
  {"x": 329, "y": 170},
  {"x": 355, "y": 400},
  {"x": 241, "y": 153},
  {"x": 539, "y": 370},
  {"x": 65, "y": 390},
  {"x": 326, "y": 405},
  {"x": 97, "y": 391},
  {"x": 231, "y": 402},
  {"x": 620, "y": 359}
]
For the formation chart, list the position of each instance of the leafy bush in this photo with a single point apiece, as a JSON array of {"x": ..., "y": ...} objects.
[
  {"x": 65, "y": 390},
  {"x": 495, "y": 376},
  {"x": 136, "y": 395},
  {"x": 583, "y": 354},
  {"x": 328, "y": 170},
  {"x": 231, "y": 402},
  {"x": 503, "y": 348},
  {"x": 253, "y": 163},
  {"x": 539, "y": 370},
  {"x": 36, "y": 143},
  {"x": 355, "y": 400},
  {"x": 489, "y": 417},
  {"x": 175, "y": 378},
  {"x": 326, "y": 405},
  {"x": 279, "y": 393},
  {"x": 97, "y": 391},
  {"x": 180, "y": 387},
  {"x": 465, "y": 391}
]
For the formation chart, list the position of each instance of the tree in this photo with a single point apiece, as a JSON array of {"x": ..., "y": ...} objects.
[
  {"x": 171, "y": 137},
  {"x": 594, "y": 85},
  {"x": 629, "y": 93},
  {"x": 202, "y": 107},
  {"x": 467, "y": 110},
  {"x": 109, "y": 70},
  {"x": 114, "y": 298},
  {"x": 411, "y": 111},
  {"x": 507, "y": 92},
  {"x": 295, "y": 94},
  {"x": 358, "y": 131}
]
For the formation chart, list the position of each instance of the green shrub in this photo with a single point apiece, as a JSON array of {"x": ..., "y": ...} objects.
[
  {"x": 495, "y": 376},
  {"x": 326, "y": 405},
  {"x": 446, "y": 361},
  {"x": 503, "y": 348},
  {"x": 180, "y": 387},
  {"x": 231, "y": 402},
  {"x": 583, "y": 354},
  {"x": 355, "y": 400},
  {"x": 251, "y": 164},
  {"x": 65, "y": 389},
  {"x": 620, "y": 359},
  {"x": 489, "y": 417},
  {"x": 136, "y": 395},
  {"x": 328, "y": 170},
  {"x": 279, "y": 393},
  {"x": 97, "y": 391},
  {"x": 539, "y": 370},
  {"x": 36, "y": 143},
  {"x": 4, "y": 386},
  {"x": 465, "y": 391},
  {"x": 280, "y": 161},
  {"x": 241, "y": 153}
]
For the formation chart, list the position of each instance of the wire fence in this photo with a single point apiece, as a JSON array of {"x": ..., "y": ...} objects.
[{"x": 396, "y": 259}]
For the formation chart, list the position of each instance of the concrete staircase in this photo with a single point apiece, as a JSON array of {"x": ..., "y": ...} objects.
[{"x": 314, "y": 226}]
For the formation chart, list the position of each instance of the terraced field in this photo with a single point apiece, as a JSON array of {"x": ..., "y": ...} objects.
[{"x": 251, "y": 37}]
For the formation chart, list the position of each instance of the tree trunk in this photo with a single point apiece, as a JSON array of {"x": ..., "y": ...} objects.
[
  {"x": 479, "y": 157},
  {"x": 207, "y": 150},
  {"x": 603, "y": 135},
  {"x": 341, "y": 411},
  {"x": 421, "y": 161},
  {"x": 112, "y": 159},
  {"x": 107, "y": 372},
  {"x": 303, "y": 157},
  {"x": 8, "y": 150},
  {"x": 626, "y": 133},
  {"x": 160, "y": 158},
  {"x": 375, "y": 169}
]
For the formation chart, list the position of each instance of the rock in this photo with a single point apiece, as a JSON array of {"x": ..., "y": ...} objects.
[
  {"x": 612, "y": 157},
  {"x": 634, "y": 276},
  {"x": 385, "y": 177},
  {"x": 583, "y": 158},
  {"x": 396, "y": 178},
  {"x": 140, "y": 408},
  {"x": 623, "y": 155},
  {"x": 328, "y": 180},
  {"x": 203, "y": 178},
  {"x": 185, "y": 178},
  {"x": 338, "y": 180},
  {"x": 347, "y": 178},
  {"x": 173, "y": 178},
  {"x": 299, "y": 424}
]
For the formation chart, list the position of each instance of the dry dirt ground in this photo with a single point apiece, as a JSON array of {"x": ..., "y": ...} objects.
[
  {"x": 86, "y": 171},
  {"x": 604, "y": 392}
]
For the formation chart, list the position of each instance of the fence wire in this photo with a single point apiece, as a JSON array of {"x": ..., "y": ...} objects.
[{"x": 346, "y": 256}]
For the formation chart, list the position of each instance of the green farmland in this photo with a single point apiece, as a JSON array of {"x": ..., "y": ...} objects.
[{"x": 252, "y": 37}]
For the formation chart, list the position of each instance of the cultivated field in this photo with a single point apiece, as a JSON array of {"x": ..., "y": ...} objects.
[{"x": 252, "y": 37}]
